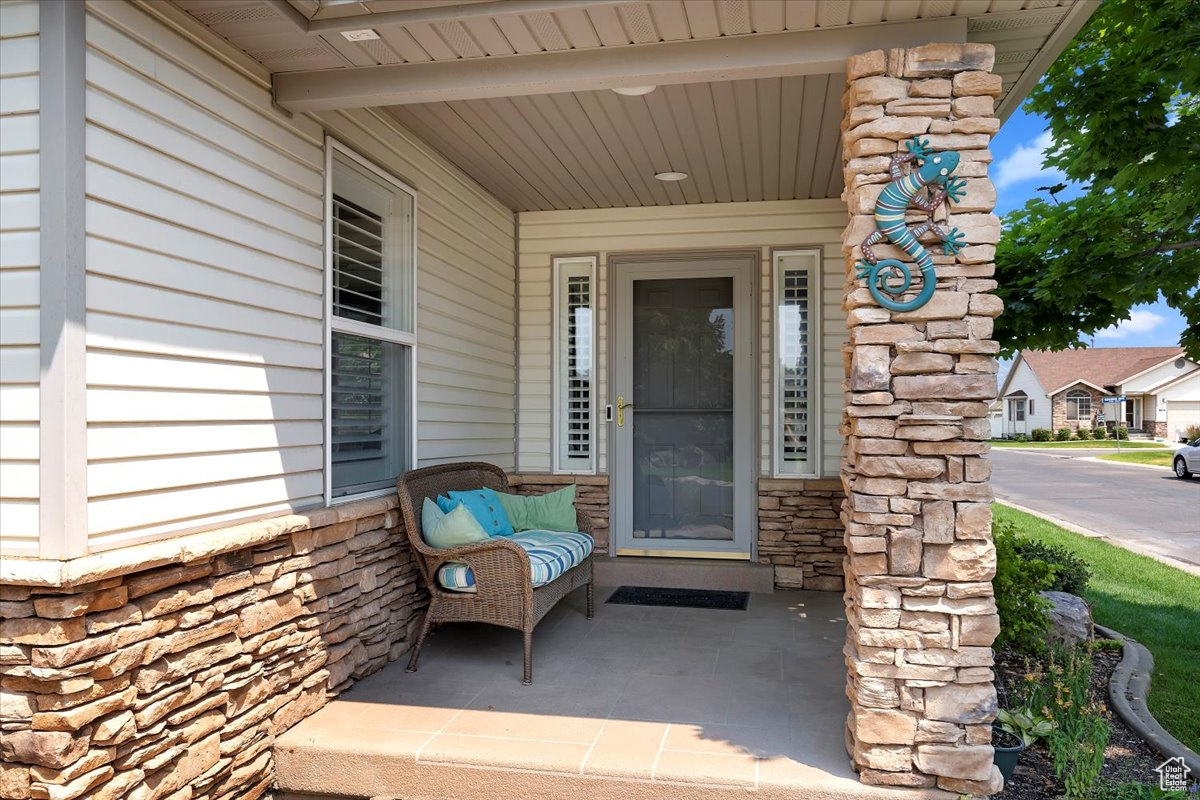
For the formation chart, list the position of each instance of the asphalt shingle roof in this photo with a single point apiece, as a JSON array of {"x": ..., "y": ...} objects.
[{"x": 1102, "y": 366}]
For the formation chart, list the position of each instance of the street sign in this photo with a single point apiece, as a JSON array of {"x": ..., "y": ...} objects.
[
  {"x": 1120, "y": 399},
  {"x": 1099, "y": 419}
]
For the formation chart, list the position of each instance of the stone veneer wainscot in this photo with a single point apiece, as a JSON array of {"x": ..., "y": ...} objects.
[
  {"x": 171, "y": 667},
  {"x": 591, "y": 495},
  {"x": 920, "y": 609},
  {"x": 800, "y": 532}
]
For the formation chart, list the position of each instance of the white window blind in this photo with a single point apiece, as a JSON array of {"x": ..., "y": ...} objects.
[
  {"x": 797, "y": 352},
  {"x": 372, "y": 237},
  {"x": 574, "y": 373}
]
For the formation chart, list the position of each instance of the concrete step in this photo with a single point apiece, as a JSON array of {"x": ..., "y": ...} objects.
[{"x": 685, "y": 573}]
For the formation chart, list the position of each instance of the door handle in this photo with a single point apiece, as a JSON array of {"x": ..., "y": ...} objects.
[{"x": 621, "y": 406}]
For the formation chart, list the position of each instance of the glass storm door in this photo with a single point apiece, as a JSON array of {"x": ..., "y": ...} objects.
[{"x": 683, "y": 395}]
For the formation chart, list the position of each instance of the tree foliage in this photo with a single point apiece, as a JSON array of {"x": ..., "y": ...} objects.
[{"x": 1123, "y": 103}]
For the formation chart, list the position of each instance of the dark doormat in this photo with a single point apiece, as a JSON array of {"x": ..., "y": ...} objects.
[{"x": 682, "y": 598}]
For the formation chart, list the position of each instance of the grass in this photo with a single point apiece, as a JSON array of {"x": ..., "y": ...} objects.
[
  {"x": 1158, "y": 459},
  {"x": 1093, "y": 443},
  {"x": 1156, "y": 604}
]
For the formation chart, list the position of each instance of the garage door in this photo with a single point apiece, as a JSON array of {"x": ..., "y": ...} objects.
[{"x": 1181, "y": 414}]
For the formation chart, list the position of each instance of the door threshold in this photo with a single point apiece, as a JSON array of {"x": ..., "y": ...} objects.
[
  {"x": 685, "y": 573},
  {"x": 698, "y": 554}
]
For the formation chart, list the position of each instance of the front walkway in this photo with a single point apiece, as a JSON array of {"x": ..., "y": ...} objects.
[{"x": 640, "y": 702}]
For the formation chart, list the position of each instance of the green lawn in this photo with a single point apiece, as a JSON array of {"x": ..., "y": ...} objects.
[
  {"x": 1157, "y": 458},
  {"x": 1093, "y": 443},
  {"x": 1156, "y": 604}
]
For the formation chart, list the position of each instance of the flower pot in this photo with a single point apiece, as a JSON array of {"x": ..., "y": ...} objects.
[{"x": 1008, "y": 749}]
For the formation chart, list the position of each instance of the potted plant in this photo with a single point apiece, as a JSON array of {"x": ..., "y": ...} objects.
[{"x": 1014, "y": 730}]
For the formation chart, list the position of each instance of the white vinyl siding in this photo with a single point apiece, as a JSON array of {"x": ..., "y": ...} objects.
[
  {"x": 783, "y": 224},
  {"x": 205, "y": 283},
  {"x": 1037, "y": 411},
  {"x": 19, "y": 284},
  {"x": 574, "y": 365}
]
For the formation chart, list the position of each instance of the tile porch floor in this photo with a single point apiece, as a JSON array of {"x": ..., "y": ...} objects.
[{"x": 638, "y": 702}]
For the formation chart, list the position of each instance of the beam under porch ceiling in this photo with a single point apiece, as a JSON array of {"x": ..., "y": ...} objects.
[{"x": 769, "y": 55}]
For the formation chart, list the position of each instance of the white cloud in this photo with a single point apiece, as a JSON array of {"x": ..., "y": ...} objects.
[
  {"x": 1138, "y": 322},
  {"x": 1025, "y": 163}
]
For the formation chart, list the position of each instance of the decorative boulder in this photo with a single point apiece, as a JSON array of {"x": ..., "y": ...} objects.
[{"x": 1070, "y": 618}]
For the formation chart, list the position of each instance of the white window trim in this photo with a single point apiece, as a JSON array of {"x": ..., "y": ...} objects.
[
  {"x": 816, "y": 422},
  {"x": 334, "y": 323},
  {"x": 556, "y": 422},
  {"x": 1079, "y": 394}
]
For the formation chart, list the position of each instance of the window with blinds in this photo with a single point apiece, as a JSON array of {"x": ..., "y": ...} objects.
[
  {"x": 797, "y": 354},
  {"x": 371, "y": 311},
  {"x": 574, "y": 373}
]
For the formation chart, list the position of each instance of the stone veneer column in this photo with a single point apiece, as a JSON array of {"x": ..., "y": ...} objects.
[{"x": 917, "y": 513}]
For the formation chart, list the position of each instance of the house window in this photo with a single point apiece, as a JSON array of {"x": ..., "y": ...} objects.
[
  {"x": 371, "y": 252},
  {"x": 1016, "y": 410},
  {"x": 1079, "y": 405},
  {"x": 574, "y": 365},
  {"x": 797, "y": 352}
]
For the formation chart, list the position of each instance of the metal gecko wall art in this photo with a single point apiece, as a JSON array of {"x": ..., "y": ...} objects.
[{"x": 926, "y": 186}]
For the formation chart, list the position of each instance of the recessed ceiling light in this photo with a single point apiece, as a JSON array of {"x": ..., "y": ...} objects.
[
  {"x": 672, "y": 176},
  {"x": 635, "y": 91},
  {"x": 364, "y": 35}
]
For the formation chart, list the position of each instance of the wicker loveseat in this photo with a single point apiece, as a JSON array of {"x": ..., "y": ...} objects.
[{"x": 504, "y": 592}]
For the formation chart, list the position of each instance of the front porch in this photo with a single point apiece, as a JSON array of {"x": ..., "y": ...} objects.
[{"x": 633, "y": 704}]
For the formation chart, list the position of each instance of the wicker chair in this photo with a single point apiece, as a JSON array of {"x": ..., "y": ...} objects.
[{"x": 504, "y": 593}]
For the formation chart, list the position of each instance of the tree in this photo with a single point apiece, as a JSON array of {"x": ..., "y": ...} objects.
[{"x": 1123, "y": 103}]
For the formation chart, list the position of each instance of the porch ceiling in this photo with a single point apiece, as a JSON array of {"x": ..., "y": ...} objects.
[{"x": 746, "y": 111}]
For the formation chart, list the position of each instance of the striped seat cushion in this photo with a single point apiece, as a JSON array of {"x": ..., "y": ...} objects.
[{"x": 551, "y": 553}]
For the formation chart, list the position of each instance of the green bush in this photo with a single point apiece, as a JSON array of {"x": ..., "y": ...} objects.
[
  {"x": 1063, "y": 435},
  {"x": 1192, "y": 432},
  {"x": 1099, "y": 432},
  {"x": 1083, "y": 433},
  {"x": 1020, "y": 437},
  {"x": 1041, "y": 434},
  {"x": 1071, "y": 573},
  {"x": 1122, "y": 433},
  {"x": 1018, "y": 581}
]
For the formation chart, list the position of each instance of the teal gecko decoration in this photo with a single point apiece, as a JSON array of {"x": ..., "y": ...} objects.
[{"x": 894, "y": 200}]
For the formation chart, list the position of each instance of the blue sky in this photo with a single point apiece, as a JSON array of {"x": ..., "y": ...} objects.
[{"x": 1018, "y": 172}]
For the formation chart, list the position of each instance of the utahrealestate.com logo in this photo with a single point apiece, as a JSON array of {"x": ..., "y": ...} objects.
[{"x": 1173, "y": 775}]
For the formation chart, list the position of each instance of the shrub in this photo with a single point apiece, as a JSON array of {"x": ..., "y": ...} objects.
[
  {"x": 1192, "y": 432},
  {"x": 1020, "y": 437},
  {"x": 1018, "y": 581},
  {"x": 1041, "y": 434},
  {"x": 1063, "y": 435},
  {"x": 1099, "y": 432},
  {"x": 1071, "y": 573},
  {"x": 1083, "y": 433},
  {"x": 1122, "y": 433}
]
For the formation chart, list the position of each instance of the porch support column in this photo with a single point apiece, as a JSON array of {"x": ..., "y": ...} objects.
[{"x": 915, "y": 470}]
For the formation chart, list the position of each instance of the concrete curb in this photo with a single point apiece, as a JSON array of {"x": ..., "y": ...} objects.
[{"x": 1127, "y": 691}]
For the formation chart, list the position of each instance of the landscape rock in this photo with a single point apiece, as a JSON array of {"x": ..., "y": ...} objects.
[{"x": 1070, "y": 618}]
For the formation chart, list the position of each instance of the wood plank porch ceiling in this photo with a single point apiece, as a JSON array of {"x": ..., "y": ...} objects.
[{"x": 755, "y": 139}]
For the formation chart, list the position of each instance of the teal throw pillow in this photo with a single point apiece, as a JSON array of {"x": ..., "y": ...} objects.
[
  {"x": 452, "y": 528},
  {"x": 485, "y": 506},
  {"x": 554, "y": 511}
]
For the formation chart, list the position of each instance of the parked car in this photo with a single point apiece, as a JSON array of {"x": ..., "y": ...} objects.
[{"x": 1187, "y": 460}]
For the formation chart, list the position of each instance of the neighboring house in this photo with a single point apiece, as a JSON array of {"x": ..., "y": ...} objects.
[
  {"x": 262, "y": 256},
  {"x": 1067, "y": 389}
]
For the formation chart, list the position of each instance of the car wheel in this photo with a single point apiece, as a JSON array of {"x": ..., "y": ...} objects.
[{"x": 1181, "y": 470}]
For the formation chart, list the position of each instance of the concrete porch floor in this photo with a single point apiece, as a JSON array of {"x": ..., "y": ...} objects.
[{"x": 640, "y": 702}]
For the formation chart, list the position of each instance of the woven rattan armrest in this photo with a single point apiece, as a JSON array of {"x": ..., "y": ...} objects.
[{"x": 499, "y": 566}]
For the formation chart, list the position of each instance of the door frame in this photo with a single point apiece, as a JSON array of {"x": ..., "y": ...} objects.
[{"x": 623, "y": 270}]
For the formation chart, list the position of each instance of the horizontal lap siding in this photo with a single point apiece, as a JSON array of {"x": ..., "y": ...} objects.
[
  {"x": 465, "y": 295},
  {"x": 204, "y": 289},
  {"x": 719, "y": 226},
  {"x": 19, "y": 280}
]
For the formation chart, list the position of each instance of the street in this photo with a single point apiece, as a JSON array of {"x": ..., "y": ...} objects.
[{"x": 1146, "y": 510}]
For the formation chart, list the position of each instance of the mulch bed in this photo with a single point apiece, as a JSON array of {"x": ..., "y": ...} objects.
[{"x": 1127, "y": 758}]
